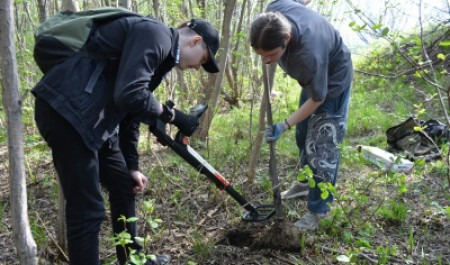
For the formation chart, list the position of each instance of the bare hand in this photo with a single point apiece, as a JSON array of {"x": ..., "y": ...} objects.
[{"x": 140, "y": 179}]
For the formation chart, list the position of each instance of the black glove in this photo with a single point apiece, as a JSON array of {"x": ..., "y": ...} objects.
[{"x": 186, "y": 123}]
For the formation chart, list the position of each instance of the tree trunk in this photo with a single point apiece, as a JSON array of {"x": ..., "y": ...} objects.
[
  {"x": 70, "y": 5},
  {"x": 125, "y": 4},
  {"x": 224, "y": 47},
  {"x": 61, "y": 228},
  {"x": 256, "y": 145},
  {"x": 202, "y": 5},
  {"x": 255, "y": 148},
  {"x": 25, "y": 244},
  {"x": 42, "y": 7},
  {"x": 156, "y": 9},
  {"x": 183, "y": 90},
  {"x": 234, "y": 65}
]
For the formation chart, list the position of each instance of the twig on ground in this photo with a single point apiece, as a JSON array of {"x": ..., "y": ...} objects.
[{"x": 51, "y": 237}]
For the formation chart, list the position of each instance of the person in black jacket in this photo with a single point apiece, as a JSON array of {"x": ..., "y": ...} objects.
[{"x": 88, "y": 109}]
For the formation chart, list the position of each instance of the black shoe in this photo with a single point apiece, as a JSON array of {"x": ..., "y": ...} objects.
[{"x": 159, "y": 260}]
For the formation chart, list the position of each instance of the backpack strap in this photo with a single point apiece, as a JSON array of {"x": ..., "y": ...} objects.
[{"x": 95, "y": 75}]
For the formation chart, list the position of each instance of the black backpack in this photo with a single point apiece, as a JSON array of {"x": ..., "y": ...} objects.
[
  {"x": 418, "y": 138},
  {"x": 62, "y": 35}
]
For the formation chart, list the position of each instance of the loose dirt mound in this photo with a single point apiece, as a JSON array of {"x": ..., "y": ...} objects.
[{"x": 275, "y": 235}]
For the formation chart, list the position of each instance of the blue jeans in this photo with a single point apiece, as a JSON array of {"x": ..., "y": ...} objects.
[{"x": 318, "y": 138}]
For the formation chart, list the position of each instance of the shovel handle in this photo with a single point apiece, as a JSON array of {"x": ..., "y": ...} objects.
[{"x": 273, "y": 156}]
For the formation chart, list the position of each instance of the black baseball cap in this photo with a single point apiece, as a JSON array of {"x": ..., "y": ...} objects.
[{"x": 211, "y": 37}]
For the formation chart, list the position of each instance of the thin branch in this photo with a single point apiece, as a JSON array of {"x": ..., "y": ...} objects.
[
  {"x": 424, "y": 51},
  {"x": 51, "y": 237}
]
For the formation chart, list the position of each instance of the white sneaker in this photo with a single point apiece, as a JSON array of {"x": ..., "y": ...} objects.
[
  {"x": 310, "y": 221},
  {"x": 297, "y": 189}
]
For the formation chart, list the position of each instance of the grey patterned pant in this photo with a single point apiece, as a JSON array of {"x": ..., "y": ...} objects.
[{"x": 325, "y": 132}]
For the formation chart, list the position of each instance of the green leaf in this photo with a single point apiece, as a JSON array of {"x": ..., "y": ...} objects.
[
  {"x": 402, "y": 189},
  {"x": 139, "y": 239},
  {"x": 301, "y": 176},
  {"x": 311, "y": 182},
  {"x": 377, "y": 26},
  {"x": 363, "y": 243},
  {"x": 132, "y": 219},
  {"x": 447, "y": 210},
  {"x": 445, "y": 43},
  {"x": 385, "y": 32},
  {"x": 441, "y": 56},
  {"x": 154, "y": 225},
  {"x": 418, "y": 129},
  {"x": 324, "y": 194},
  {"x": 308, "y": 171}
]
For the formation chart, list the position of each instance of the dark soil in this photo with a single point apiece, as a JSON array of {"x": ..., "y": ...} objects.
[{"x": 202, "y": 225}]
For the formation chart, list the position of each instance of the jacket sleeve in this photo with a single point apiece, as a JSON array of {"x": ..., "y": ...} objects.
[
  {"x": 140, "y": 58},
  {"x": 128, "y": 141}
]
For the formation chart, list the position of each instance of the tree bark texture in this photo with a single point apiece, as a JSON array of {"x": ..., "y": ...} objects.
[
  {"x": 257, "y": 143},
  {"x": 23, "y": 239},
  {"x": 70, "y": 5},
  {"x": 236, "y": 58},
  {"x": 42, "y": 7},
  {"x": 156, "y": 9},
  {"x": 222, "y": 61},
  {"x": 125, "y": 4}
]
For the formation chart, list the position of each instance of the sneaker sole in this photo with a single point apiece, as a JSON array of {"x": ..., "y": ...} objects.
[{"x": 295, "y": 195}]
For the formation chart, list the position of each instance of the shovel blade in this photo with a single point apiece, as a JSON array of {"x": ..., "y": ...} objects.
[{"x": 263, "y": 212}]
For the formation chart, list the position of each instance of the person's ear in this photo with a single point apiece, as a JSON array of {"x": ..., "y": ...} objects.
[
  {"x": 287, "y": 38},
  {"x": 196, "y": 40}
]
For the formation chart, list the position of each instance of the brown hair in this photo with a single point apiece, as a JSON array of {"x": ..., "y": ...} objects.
[{"x": 269, "y": 31}]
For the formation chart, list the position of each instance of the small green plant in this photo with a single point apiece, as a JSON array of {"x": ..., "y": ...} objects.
[
  {"x": 306, "y": 174},
  {"x": 38, "y": 232},
  {"x": 411, "y": 240},
  {"x": 303, "y": 244},
  {"x": 363, "y": 243},
  {"x": 149, "y": 207},
  {"x": 440, "y": 168},
  {"x": 201, "y": 247},
  {"x": 366, "y": 230},
  {"x": 124, "y": 238},
  {"x": 265, "y": 183},
  {"x": 384, "y": 253},
  {"x": 348, "y": 237},
  {"x": 395, "y": 213}
]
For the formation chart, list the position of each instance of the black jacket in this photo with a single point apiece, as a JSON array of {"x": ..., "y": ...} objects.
[{"x": 113, "y": 77}]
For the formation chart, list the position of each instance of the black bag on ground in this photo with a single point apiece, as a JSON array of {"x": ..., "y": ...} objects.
[{"x": 417, "y": 138}]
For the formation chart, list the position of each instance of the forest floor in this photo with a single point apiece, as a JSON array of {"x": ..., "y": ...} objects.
[{"x": 201, "y": 225}]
